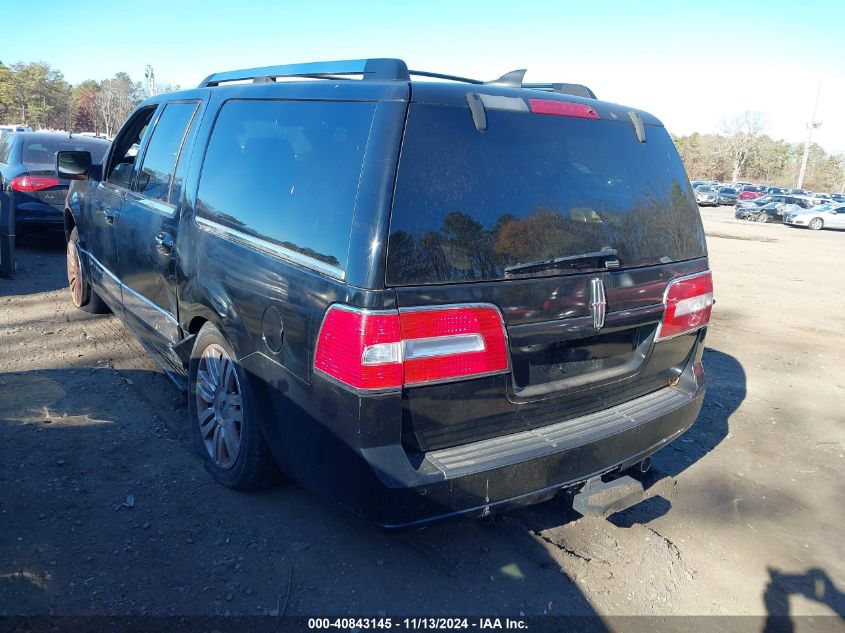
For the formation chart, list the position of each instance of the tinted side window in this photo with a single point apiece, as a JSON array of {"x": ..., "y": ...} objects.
[
  {"x": 162, "y": 151},
  {"x": 287, "y": 172},
  {"x": 125, "y": 148}
]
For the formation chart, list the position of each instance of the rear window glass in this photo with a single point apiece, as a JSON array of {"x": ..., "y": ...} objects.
[
  {"x": 42, "y": 151},
  {"x": 287, "y": 172},
  {"x": 470, "y": 204}
]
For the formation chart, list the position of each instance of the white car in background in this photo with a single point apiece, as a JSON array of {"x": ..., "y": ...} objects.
[
  {"x": 825, "y": 216},
  {"x": 707, "y": 194}
]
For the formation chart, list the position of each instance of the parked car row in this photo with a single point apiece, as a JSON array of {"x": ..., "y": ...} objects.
[
  {"x": 794, "y": 211},
  {"x": 8, "y": 129},
  {"x": 731, "y": 193}
]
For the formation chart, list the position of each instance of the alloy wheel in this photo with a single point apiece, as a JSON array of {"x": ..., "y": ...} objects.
[
  {"x": 219, "y": 402},
  {"x": 74, "y": 274}
]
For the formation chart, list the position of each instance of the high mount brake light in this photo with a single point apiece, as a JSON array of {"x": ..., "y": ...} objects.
[
  {"x": 562, "y": 108},
  {"x": 689, "y": 302},
  {"x": 386, "y": 350},
  {"x": 32, "y": 183}
]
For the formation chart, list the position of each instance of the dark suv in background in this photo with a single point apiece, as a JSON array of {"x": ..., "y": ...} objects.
[{"x": 423, "y": 298}]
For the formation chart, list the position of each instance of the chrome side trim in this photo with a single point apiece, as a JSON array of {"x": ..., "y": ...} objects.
[
  {"x": 269, "y": 248},
  {"x": 158, "y": 206},
  {"x": 104, "y": 278},
  {"x": 153, "y": 315}
]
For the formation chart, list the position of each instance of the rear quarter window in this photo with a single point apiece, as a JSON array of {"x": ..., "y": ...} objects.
[{"x": 287, "y": 172}]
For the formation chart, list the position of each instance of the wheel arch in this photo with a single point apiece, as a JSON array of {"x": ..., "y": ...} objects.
[
  {"x": 215, "y": 307},
  {"x": 70, "y": 223}
]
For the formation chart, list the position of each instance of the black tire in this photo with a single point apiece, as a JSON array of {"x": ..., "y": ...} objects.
[
  {"x": 253, "y": 466},
  {"x": 82, "y": 294},
  {"x": 762, "y": 217},
  {"x": 816, "y": 224}
]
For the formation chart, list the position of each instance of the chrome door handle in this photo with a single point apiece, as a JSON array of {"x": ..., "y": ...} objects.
[{"x": 163, "y": 242}]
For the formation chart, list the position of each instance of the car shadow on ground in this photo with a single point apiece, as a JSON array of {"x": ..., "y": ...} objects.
[
  {"x": 107, "y": 509},
  {"x": 725, "y": 392}
]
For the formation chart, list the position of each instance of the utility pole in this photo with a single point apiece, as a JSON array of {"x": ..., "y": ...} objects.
[
  {"x": 149, "y": 73},
  {"x": 812, "y": 125}
]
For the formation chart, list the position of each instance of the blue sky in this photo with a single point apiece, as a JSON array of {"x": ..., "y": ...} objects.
[{"x": 693, "y": 64}]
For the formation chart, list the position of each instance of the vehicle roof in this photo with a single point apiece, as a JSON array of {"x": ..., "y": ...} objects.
[{"x": 435, "y": 92}]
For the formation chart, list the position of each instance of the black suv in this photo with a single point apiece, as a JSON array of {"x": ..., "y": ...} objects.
[{"x": 423, "y": 298}]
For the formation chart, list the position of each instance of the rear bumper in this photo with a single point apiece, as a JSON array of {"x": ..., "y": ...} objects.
[
  {"x": 32, "y": 214},
  {"x": 524, "y": 468},
  {"x": 349, "y": 448}
]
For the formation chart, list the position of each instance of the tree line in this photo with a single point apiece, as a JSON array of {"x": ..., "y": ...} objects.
[
  {"x": 35, "y": 94},
  {"x": 743, "y": 152}
]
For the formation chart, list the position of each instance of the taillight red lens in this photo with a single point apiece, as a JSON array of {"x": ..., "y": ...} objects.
[
  {"x": 389, "y": 349},
  {"x": 689, "y": 302},
  {"x": 562, "y": 108},
  {"x": 457, "y": 342},
  {"x": 344, "y": 338},
  {"x": 32, "y": 183}
]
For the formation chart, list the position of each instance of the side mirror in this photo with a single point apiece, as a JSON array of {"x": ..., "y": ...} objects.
[{"x": 73, "y": 165}]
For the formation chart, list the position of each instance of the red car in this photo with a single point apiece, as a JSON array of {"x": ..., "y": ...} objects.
[{"x": 749, "y": 192}]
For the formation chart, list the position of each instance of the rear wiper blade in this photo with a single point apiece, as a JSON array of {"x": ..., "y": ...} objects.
[{"x": 571, "y": 261}]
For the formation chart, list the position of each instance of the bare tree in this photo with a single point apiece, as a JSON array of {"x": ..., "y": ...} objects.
[
  {"x": 743, "y": 134},
  {"x": 114, "y": 101}
]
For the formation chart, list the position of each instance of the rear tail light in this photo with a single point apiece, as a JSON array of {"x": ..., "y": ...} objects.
[
  {"x": 562, "y": 108},
  {"x": 391, "y": 349},
  {"x": 689, "y": 302},
  {"x": 32, "y": 183}
]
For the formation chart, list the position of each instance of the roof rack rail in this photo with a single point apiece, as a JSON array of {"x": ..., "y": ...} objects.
[
  {"x": 577, "y": 90},
  {"x": 512, "y": 78},
  {"x": 425, "y": 73},
  {"x": 377, "y": 69}
]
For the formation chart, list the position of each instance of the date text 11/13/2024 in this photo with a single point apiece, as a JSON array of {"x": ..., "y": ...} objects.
[{"x": 430, "y": 624}]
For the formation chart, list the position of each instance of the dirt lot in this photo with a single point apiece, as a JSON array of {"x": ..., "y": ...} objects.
[{"x": 104, "y": 508}]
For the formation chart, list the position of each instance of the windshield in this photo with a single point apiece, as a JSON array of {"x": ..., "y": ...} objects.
[
  {"x": 706, "y": 189},
  {"x": 470, "y": 204}
]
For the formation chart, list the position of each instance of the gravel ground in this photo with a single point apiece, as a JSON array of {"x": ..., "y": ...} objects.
[{"x": 104, "y": 509}]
